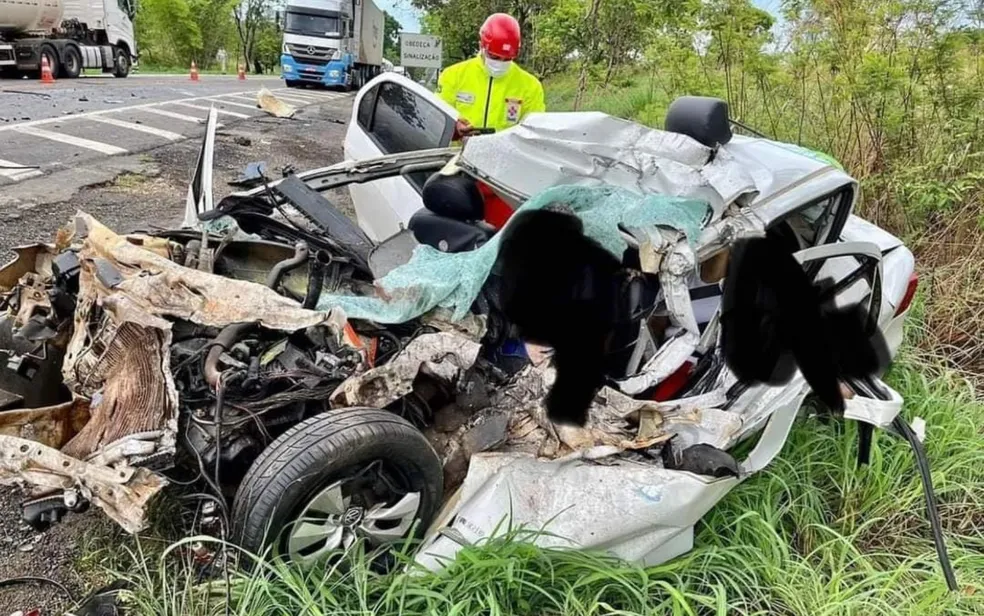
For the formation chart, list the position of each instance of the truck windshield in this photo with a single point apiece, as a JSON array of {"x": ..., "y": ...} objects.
[{"x": 312, "y": 25}]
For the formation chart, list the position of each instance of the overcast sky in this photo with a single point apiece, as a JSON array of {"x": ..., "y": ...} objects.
[{"x": 409, "y": 17}]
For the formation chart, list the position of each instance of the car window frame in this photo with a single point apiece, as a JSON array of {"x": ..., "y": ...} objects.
[
  {"x": 841, "y": 200},
  {"x": 374, "y": 95}
]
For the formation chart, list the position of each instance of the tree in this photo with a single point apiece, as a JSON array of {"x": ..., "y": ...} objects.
[
  {"x": 250, "y": 15},
  {"x": 391, "y": 38},
  {"x": 168, "y": 33}
]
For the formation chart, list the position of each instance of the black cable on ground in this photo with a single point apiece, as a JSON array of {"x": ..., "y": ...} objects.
[
  {"x": 32, "y": 579},
  {"x": 922, "y": 463},
  {"x": 871, "y": 387}
]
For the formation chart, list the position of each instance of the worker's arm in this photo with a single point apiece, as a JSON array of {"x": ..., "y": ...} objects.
[
  {"x": 537, "y": 104},
  {"x": 445, "y": 86}
]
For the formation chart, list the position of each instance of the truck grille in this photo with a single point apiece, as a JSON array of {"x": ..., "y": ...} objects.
[{"x": 311, "y": 54}]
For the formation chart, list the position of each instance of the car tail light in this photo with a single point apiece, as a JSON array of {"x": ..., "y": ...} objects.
[
  {"x": 674, "y": 383},
  {"x": 910, "y": 292},
  {"x": 497, "y": 211}
]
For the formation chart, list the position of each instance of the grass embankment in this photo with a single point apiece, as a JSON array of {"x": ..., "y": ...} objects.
[{"x": 811, "y": 535}]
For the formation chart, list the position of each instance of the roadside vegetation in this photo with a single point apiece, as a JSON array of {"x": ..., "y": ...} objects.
[{"x": 894, "y": 90}]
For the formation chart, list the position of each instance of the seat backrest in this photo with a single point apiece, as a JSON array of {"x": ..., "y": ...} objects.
[
  {"x": 454, "y": 196},
  {"x": 702, "y": 118}
]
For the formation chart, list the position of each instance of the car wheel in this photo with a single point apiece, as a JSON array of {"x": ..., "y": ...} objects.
[
  {"x": 335, "y": 478},
  {"x": 71, "y": 63},
  {"x": 121, "y": 63}
]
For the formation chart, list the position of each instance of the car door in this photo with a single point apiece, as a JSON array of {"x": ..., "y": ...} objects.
[
  {"x": 869, "y": 264},
  {"x": 392, "y": 114}
]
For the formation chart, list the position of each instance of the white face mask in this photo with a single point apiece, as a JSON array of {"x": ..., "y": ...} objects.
[{"x": 496, "y": 68}]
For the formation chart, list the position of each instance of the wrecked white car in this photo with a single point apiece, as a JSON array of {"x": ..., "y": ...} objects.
[{"x": 332, "y": 387}]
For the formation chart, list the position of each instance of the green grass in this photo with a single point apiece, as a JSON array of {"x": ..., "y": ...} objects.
[{"x": 811, "y": 535}]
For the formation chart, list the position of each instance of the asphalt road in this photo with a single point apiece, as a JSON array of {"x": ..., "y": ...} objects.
[{"x": 46, "y": 127}]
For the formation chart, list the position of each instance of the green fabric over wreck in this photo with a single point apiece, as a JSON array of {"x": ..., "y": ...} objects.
[{"x": 434, "y": 279}]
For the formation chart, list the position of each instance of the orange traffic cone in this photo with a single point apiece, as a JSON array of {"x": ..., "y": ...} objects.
[
  {"x": 46, "y": 76},
  {"x": 194, "y": 71},
  {"x": 242, "y": 73}
]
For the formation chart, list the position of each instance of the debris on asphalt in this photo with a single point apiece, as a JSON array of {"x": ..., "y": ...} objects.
[
  {"x": 40, "y": 94},
  {"x": 83, "y": 99},
  {"x": 273, "y": 105},
  {"x": 253, "y": 175},
  {"x": 112, "y": 101},
  {"x": 243, "y": 141}
]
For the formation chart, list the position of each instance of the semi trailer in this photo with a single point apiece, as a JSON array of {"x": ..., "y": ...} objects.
[
  {"x": 334, "y": 43},
  {"x": 72, "y": 34}
]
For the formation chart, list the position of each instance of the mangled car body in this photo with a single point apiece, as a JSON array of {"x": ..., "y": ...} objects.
[{"x": 334, "y": 387}]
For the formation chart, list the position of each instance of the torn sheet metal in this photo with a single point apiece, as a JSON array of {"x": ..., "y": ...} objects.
[
  {"x": 51, "y": 426},
  {"x": 159, "y": 286},
  {"x": 634, "y": 510},
  {"x": 879, "y": 413},
  {"x": 269, "y": 103},
  {"x": 638, "y": 512},
  {"x": 444, "y": 355},
  {"x": 122, "y": 492},
  {"x": 667, "y": 360}
]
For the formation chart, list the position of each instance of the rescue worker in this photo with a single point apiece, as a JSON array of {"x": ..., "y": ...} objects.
[{"x": 491, "y": 90}]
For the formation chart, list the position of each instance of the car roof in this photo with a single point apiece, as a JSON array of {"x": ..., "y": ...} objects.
[
  {"x": 774, "y": 177},
  {"x": 547, "y": 149}
]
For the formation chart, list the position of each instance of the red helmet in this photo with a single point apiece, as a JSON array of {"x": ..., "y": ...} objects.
[{"x": 500, "y": 36}]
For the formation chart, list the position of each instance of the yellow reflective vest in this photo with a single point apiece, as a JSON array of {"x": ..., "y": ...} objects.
[{"x": 490, "y": 102}]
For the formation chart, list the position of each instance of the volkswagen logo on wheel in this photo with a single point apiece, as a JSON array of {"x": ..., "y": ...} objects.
[{"x": 352, "y": 516}]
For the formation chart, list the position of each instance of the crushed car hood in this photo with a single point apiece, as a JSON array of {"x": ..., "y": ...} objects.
[{"x": 122, "y": 420}]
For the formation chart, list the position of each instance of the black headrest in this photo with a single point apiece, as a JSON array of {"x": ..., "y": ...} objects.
[
  {"x": 454, "y": 196},
  {"x": 700, "y": 117}
]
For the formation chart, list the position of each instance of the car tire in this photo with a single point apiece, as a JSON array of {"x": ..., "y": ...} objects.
[
  {"x": 318, "y": 454},
  {"x": 291, "y": 83},
  {"x": 121, "y": 63},
  {"x": 71, "y": 63}
]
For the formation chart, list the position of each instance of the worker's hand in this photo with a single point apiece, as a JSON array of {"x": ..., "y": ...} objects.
[{"x": 462, "y": 129}]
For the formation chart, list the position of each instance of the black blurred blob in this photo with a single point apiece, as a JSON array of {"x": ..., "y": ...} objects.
[
  {"x": 774, "y": 319},
  {"x": 561, "y": 289}
]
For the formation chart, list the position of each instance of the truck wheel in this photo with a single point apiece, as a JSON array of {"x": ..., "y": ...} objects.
[
  {"x": 339, "y": 476},
  {"x": 47, "y": 51},
  {"x": 121, "y": 63},
  {"x": 71, "y": 63},
  {"x": 291, "y": 83}
]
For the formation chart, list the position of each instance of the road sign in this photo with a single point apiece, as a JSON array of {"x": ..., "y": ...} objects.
[{"x": 420, "y": 50}]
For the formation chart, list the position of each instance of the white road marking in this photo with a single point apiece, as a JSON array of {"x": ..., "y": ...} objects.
[
  {"x": 242, "y": 96},
  {"x": 291, "y": 99},
  {"x": 299, "y": 95},
  {"x": 142, "y": 106},
  {"x": 11, "y": 171},
  {"x": 143, "y": 128},
  {"x": 176, "y": 116},
  {"x": 88, "y": 144},
  {"x": 222, "y": 101},
  {"x": 325, "y": 95},
  {"x": 234, "y": 114}
]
